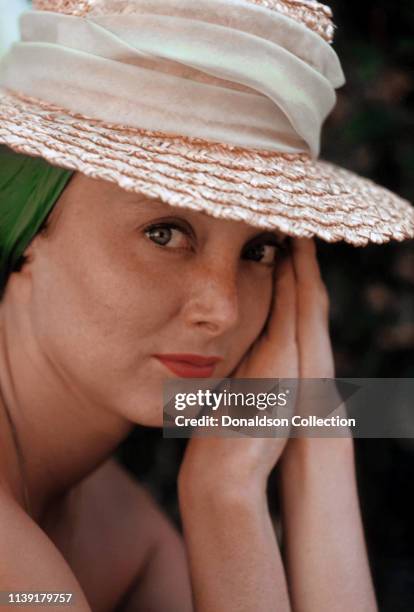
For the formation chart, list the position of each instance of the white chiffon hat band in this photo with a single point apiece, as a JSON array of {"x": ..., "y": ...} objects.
[{"x": 214, "y": 105}]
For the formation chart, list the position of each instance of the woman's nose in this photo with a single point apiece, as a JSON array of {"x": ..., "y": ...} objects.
[{"x": 213, "y": 301}]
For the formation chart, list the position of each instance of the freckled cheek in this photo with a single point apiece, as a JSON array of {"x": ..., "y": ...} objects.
[
  {"x": 106, "y": 299},
  {"x": 145, "y": 298},
  {"x": 109, "y": 321},
  {"x": 154, "y": 299}
]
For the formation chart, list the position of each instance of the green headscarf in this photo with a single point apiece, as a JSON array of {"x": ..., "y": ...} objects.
[{"x": 29, "y": 188}]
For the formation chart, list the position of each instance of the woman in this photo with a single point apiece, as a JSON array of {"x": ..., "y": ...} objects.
[
  {"x": 131, "y": 264},
  {"x": 77, "y": 377}
]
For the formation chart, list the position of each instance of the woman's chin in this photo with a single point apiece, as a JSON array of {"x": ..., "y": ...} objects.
[
  {"x": 144, "y": 409},
  {"x": 154, "y": 419}
]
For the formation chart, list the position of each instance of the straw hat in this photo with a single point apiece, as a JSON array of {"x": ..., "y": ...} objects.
[{"x": 212, "y": 105}]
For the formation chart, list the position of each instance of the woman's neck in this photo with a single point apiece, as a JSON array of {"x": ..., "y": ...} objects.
[
  {"x": 62, "y": 436},
  {"x": 12, "y": 468}
]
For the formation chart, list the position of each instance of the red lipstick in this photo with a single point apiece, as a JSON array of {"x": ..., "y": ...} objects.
[{"x": 187, "y": 365}]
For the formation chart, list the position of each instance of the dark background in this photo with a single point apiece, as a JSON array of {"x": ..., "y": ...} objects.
[{"x": 372, "y": 288}]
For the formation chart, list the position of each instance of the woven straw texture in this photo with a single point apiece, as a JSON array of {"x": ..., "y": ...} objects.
[{"x": 292, "y": 193}]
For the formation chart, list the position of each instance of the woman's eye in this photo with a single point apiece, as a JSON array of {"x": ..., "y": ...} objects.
[
  {"x": 167, "y": 234},
  {"x": 262, "y": 253}
]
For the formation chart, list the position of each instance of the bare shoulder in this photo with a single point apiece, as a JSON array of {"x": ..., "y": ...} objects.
[
  {"x": 29, "y": 560},
  {"x": 113, "y": 498},
  {"x": 125, "y": 499},
  {"x": 107, "y": 541},
  {"x": 108, "y": 532}
]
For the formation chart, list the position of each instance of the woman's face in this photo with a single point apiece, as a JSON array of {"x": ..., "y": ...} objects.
[{"x": 118, "y": 277}]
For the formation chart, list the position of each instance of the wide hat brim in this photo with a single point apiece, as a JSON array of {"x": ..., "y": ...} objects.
[{"x": 292, "y": 193}]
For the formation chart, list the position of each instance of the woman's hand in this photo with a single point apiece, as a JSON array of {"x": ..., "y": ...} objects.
[
  {"x": 233, "y": 554},
  {"x": 295, "y": 343},
  {"x": 313, "y": 340},
  {"x": 234, "y": 557},
  {"x": 245, "y": 463},
  {"x": 323, "y": 539}
]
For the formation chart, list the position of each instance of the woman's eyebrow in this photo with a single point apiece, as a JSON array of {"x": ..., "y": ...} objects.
[{"x": 143, "y": 202}]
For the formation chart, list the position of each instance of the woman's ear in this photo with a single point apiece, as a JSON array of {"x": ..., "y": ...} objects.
[
  {"x": 23, "y": 265},
  {"x": 42, "y": 233}
]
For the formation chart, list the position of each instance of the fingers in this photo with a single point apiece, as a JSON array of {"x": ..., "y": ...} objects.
[
  {"x": 308, "y": 274},
  {"x": 314, "y": 344},
  {"x": 282, "y": 323},
  {"x": 280, "y": 341}
]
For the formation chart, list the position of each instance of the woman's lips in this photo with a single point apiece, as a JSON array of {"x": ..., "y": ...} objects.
[{"x": 189, "y": 366}]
